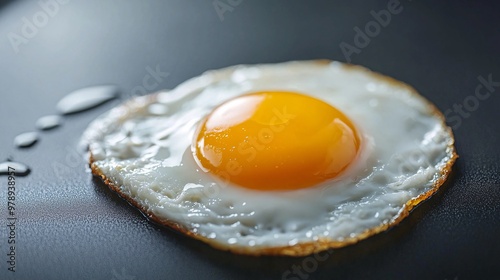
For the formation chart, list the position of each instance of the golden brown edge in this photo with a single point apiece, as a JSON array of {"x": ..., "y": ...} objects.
[{"x": 304, "y": 249}]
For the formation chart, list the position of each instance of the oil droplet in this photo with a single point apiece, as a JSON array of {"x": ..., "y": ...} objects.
[
  {"x": 48, "y": 122},
  {"x": 19, "y": 168},
  {"x": 86, "y": 98},
  {"x": 25, "y": 140}
]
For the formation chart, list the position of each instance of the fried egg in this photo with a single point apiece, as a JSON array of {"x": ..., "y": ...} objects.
[{"x": 281, "y": 159}]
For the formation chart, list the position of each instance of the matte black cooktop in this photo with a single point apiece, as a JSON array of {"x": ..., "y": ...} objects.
[{"x": 70, "y": 226}]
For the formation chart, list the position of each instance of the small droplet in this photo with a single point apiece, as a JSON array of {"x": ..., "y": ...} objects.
[
  {"x": 371, "y": 87},
  {"x": 26, "y": 139},
  {"x": 157, "y": 109},
  {"x": 86, "y": 98},
  {"x": 48, "y": 122},
  {"x": 232, "y": 240},
  {"x": 19, "y": 169},
  {"x": 293, "y": 242}
]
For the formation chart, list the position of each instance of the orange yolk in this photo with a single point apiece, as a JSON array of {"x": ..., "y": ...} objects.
[{"x": 275, "y": 141}]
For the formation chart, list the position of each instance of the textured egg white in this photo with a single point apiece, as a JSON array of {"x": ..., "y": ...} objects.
[{"x": 147, "y": 154}]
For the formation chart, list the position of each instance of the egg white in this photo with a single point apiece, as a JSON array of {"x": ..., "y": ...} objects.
[{"x": 143, "y": 148}]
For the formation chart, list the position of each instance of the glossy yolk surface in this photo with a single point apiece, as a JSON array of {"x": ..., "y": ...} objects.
[{"x": 275, "y": 141}]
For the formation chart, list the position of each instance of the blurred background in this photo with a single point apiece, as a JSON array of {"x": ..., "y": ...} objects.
[{"x": 70, "y": 226}]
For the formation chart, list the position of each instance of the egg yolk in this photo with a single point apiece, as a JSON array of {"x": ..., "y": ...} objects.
[{"x": 275, "y": 141}]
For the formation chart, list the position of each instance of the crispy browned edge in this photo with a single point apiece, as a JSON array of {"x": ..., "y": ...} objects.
[{"x": 303, "y": 249}]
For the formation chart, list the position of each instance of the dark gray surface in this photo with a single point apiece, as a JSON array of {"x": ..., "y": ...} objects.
[{"x": 70, "y": 226}]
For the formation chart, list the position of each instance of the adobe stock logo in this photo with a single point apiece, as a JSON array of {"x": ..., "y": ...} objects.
[
  {"x": 372, "y": 29},
  {"x": 223, "y": 6},
  {"x": 463, "y": 110},
  {"x": 151, "y": 81},
  {"x": 308, "y": 266},
  {"x": 31, "y": 27}
]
